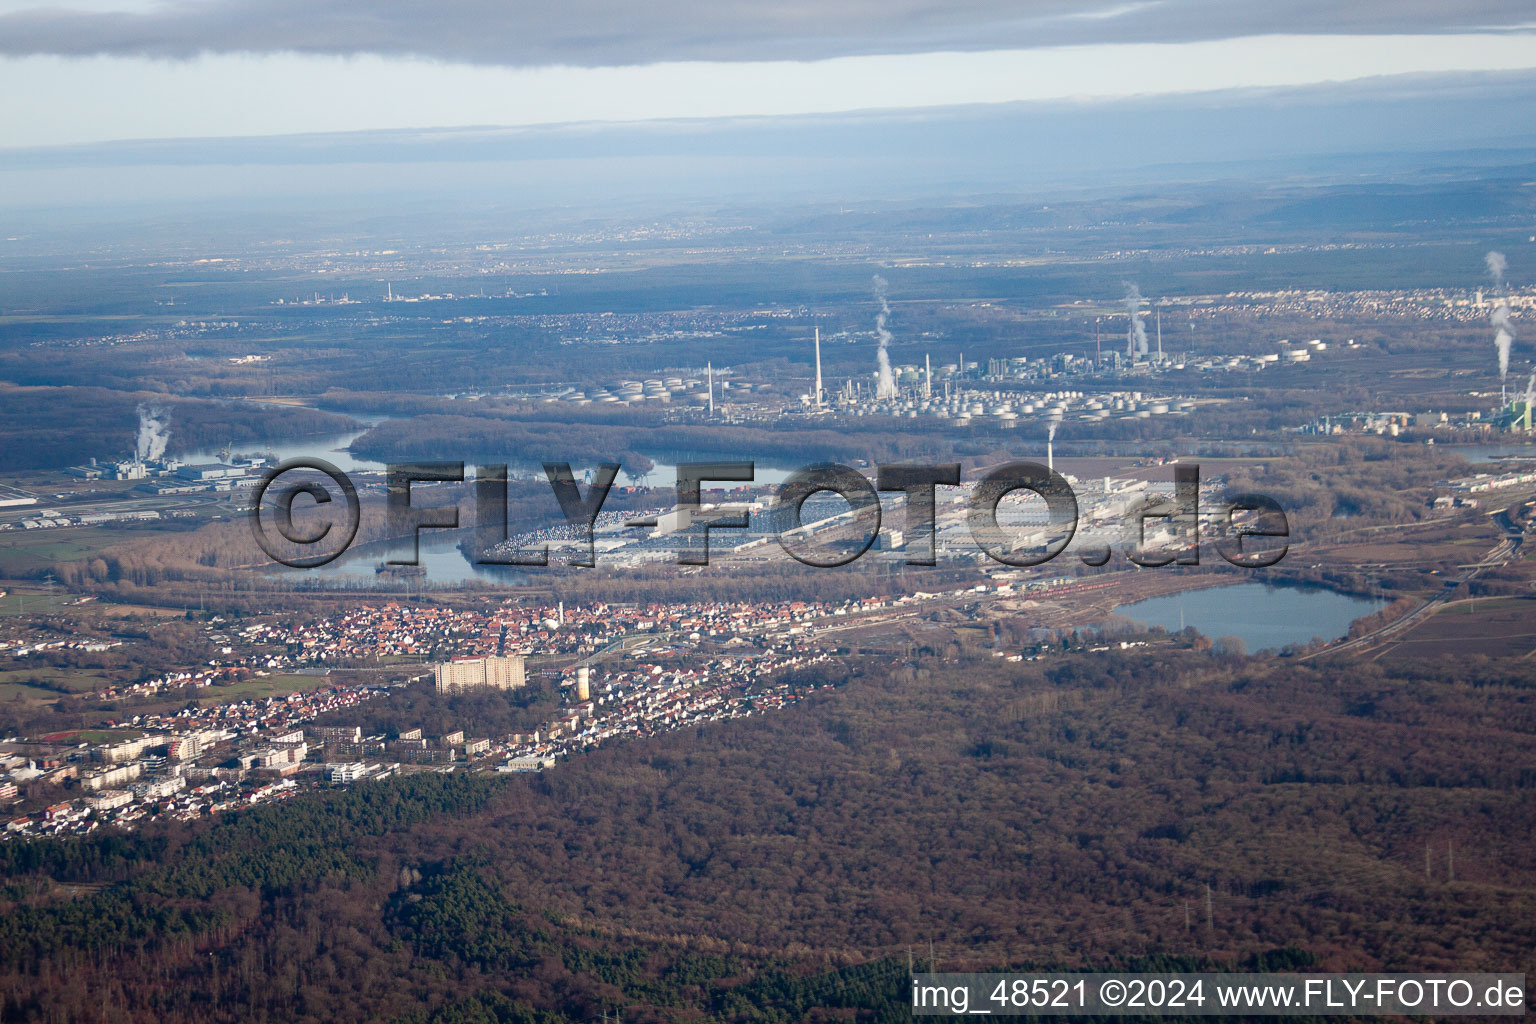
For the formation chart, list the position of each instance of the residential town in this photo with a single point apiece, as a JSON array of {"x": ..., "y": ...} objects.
[
  {"x": 619, "y": 672},
  {"x": 210, "y": 757}
]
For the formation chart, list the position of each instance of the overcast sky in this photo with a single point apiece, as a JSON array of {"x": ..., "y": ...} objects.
[
  {"x": 83, "y": 71},
  {"x": 604, "y": 33}
]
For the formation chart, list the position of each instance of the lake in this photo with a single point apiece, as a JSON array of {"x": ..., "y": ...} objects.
[
  {"x": 439, "y": 556},
  {"x": 1264, "y": 617}
]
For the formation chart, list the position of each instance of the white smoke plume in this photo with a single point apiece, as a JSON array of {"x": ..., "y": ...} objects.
[
  {"x": 1135, "y": 331},
  {"x": 1530, "y": 393},
  {"x": 1050, "y": 430},
  {"x": 886, "y": 386},
  {"x": 1504, "y": 335},
  {"x": 1497, "y": 266},
  {"x": 154, "y": 433}
]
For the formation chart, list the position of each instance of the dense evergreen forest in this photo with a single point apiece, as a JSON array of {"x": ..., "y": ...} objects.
[{"x": 781, "y": 867}]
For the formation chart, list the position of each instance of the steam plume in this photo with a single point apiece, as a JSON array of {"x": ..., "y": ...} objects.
[
  {"x": 154, "y": 432},
  {"x": 1504, "y": 335},
  {"x": 1497, "y": 265},
  {"x": 886, "y": 386},
  {"x": 1136, "y": 331}
]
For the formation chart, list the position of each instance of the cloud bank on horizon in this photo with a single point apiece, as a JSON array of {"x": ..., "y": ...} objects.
[
  {"x": 96, "y": 71},
  {"x": 611, "y": 33}
]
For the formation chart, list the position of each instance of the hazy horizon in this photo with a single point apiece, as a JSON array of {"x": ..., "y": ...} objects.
[{"x": 1365, "y": 130}]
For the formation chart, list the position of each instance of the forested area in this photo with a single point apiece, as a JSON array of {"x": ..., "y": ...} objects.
[
  {"x": 479, "y": 712},
  {"x": 780, "y": 867},
  {"x": 1324, "y": 487}
]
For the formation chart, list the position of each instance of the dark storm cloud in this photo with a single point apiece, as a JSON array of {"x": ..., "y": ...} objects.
[{"x": 621, "y": 32}]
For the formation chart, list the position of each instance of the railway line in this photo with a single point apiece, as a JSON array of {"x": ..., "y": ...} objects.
[{"x": 1507, "y": 550}]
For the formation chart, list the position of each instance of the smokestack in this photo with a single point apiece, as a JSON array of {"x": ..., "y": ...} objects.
[
  {"x": 927, "y": 376},
  {"x": 818, "y": 367},
  {"x": 711, "y": 370},
  {"x": 1159, "y": 333},
  {"x": 1050, "y": 436}
]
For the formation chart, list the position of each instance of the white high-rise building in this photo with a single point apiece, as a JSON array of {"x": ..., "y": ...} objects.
[{"x": 496, "y": 673}]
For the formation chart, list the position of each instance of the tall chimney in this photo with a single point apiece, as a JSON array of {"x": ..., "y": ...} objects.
[
  {"x": 711, "y": 369},
  {"x": 927, "y": 376},
  {"x": 818, "y": 367},
  {"x": 1159, "y": 334}
]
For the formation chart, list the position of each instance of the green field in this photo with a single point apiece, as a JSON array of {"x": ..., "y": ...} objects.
[
  {"x": 14, "y": 603},
  {"x": 16, "y": 683},
  {"x": 260, "y": 686},
  {"x": 23, "y": 552},
  {"x": 20, "y": 691}
]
